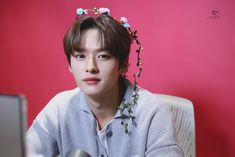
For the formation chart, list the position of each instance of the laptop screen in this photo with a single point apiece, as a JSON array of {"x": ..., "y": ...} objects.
[{"x": 12, "y": 125}]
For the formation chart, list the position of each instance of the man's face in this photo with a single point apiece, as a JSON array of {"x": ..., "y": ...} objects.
[{"x": 95, "y": 71}]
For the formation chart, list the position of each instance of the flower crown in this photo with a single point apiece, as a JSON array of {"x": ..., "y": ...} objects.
[{"x": 134, "y": 38}]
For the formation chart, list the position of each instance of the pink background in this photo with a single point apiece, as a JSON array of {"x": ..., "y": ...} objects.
[{"x": 189, "y": 52}]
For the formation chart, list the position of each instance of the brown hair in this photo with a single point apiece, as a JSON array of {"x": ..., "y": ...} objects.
[{"x": 114, "y": 37}]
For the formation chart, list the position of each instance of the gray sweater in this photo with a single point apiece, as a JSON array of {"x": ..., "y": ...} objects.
[{"x": 67, "y": 123}]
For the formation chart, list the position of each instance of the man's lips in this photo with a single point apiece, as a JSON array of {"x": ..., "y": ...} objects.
[{"x": 91, "y": 80}]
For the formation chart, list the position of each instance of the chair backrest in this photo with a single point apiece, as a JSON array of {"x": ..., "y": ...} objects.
[{"x": 183, "y": 117}]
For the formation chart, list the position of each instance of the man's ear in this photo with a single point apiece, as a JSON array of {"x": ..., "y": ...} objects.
[
  {"x": 124, "y": 67},
  {"x": 122, "y": 71},
  {"x": 70, "y": 70}
]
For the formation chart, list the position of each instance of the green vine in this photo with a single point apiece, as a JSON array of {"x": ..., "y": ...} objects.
[{"x": 129, "y": 108}]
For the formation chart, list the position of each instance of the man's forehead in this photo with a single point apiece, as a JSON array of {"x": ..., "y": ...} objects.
[{"x": 91, "y": 39}]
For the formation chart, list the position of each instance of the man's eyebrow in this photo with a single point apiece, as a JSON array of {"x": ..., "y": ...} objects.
[
  {"x": 101, "y": 49},
  {"x": 80, "y": 50}
]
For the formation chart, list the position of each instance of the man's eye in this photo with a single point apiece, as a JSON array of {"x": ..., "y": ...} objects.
[
  {"x": 79, "y": 56},
  {"x": 104, "y": 56}
]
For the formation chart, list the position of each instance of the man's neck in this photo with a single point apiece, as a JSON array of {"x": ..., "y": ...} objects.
[{"x": 104, "y": 108}]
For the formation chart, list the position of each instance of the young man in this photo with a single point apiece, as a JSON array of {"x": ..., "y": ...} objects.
[{"x": 106, "y": 115}]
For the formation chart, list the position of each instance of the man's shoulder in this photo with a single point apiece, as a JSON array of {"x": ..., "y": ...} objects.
[
  {"x": 67, "y": 94},
  {"x": 60, "y": 102},
  {"x": 148, "y": 97},
  {"x": 149, "y": 102},
  {"x": 63, "y": 99}
]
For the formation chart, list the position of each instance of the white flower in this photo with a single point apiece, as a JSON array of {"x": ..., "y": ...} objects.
[
  {"x": 104, "y": 11},
  {"x": 124, "y": 20}
]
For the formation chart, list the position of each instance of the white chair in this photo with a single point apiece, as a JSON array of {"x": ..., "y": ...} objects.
[{"x": 183, "y": 117}]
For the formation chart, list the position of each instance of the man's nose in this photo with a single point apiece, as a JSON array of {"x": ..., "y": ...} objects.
[{"x": 91, "y": 65}]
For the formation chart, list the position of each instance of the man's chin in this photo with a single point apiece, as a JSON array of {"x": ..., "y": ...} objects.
[{"x": 91, "y": 92}]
